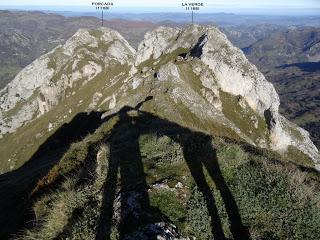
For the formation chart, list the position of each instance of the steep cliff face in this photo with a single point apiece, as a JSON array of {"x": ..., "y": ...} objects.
[
  {"x": 221, "y": 67},
  {"x": 196, "y": 77}
]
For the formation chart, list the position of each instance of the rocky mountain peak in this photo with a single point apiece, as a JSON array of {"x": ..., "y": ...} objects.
[
  {"x": 195, "y": 76},
  {"x": 164, "y": 40},
  {"x": 210, "y": 45},
  {"x": 42, "y": 84},
  {"x": 93, "y": 38},
  {"x": 222, "y": 67}
]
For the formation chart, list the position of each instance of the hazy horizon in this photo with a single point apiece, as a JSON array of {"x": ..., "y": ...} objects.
[{"x": 271, "y": 7}]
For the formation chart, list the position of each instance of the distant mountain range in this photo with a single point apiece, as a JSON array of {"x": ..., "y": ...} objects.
[
  {"x": 290, "y": 59},
  {"x": 282, "y": 48},
  {"x": 218, "y": 18}
]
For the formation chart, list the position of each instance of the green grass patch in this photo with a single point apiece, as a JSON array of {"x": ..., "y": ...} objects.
[
  {"x": 296, "y": 156},
  {"x": 170, "y": 205},
  {"x": 96, "y": 33},
  {"x": 244, "y": 118}
]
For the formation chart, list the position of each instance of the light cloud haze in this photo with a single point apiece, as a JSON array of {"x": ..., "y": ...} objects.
[
  {"x": 290, "y": 7},
  {"x": 172, "y": 3}
]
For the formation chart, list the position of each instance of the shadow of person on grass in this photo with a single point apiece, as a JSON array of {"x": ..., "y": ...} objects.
[
  {"x": 125, "y": 157},
  {"x": 199, "y": 153},
  {"x": 16, "y": 186},
  {"x": 125, "y": 166}
]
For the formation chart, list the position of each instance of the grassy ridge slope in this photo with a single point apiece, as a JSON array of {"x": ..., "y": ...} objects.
[{"x": 205, "y": 186}]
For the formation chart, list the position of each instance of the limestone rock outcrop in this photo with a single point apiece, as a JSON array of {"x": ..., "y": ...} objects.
[{"x": 42, "y": 84}]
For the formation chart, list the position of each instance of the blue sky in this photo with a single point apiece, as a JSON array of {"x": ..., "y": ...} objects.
[{"x": 210, "y": 5}]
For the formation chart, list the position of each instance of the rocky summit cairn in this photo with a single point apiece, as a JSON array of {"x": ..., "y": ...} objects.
[{"x": 195, "y": 76}]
